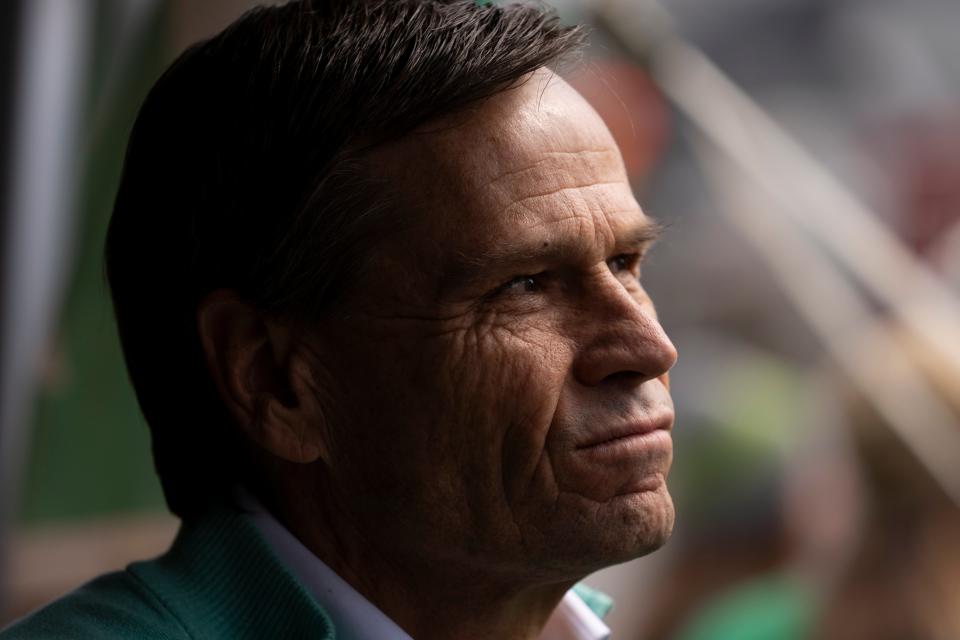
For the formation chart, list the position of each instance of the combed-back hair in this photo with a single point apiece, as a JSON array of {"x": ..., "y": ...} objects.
[{"x": 243, "y": 172}]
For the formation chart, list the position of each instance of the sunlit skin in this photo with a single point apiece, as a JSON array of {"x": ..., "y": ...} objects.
[{"x": 449, "y": 439}]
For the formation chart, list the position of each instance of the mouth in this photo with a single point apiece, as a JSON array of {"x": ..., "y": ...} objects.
[
  {"x": 625, "y": 458},
  {"x": 651, "y": 430}
]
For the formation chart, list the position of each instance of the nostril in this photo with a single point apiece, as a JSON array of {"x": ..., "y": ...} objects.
[{"x": 634, "y": 377}]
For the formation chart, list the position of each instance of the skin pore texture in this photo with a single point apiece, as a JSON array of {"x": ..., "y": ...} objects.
[{"x": 450, "y": 439}]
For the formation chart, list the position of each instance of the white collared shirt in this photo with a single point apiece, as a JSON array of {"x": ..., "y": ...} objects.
[{"x": 356, "y": 618}]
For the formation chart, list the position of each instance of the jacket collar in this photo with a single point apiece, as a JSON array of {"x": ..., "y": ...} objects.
[{"x": 221, "y": 580}]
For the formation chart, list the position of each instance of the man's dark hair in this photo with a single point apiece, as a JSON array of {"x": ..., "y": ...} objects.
[{"x": 243, "y": 172}]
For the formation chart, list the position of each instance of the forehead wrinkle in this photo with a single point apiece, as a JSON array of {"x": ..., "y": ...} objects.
[
  {"x": 565, "y": 190},
  {"x": 536, "y": 247},
  {"x": 553, "y": 157},
  {"x": 600, "y": 198},
  {"x": 548, "y": 166},
  {"x": 612, "y": 214}
]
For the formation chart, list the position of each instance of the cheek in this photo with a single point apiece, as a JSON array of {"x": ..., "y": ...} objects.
[
  {"x": 486, "y": 396},
  {"x": 504, "y": 388},
  {"x": 454, "y": 423},
  {"x": 496, "y": 388}
]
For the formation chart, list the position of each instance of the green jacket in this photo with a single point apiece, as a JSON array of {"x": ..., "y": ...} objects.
[{"x": 218, "y": 580}]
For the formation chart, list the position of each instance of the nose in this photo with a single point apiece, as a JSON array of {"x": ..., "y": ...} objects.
[{"x": 623, "y": 341}]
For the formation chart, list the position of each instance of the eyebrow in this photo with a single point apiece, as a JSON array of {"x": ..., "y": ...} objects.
[{"x": 463, "y": 269}]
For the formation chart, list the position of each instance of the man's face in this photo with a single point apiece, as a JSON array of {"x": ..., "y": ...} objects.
[{"x": 496, "y": 387}]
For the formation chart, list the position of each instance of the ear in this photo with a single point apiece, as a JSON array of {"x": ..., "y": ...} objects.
[{"x": 261, "y": 381}]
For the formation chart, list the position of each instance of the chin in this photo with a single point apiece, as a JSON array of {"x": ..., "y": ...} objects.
[
  {"x": 640, "y": 525},
  {"x": 622, "y": 529}
]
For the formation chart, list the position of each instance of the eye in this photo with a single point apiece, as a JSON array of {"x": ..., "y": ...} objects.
[
  {"x": 520, "y": 286},
  {"x": 526, "y": 284},
  {"x": 625, "y": 262}
]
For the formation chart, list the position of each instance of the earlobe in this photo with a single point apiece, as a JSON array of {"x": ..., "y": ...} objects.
[
  {"x": 295, "y": 426},
  {"x": 285, "y": 434},
  {"x": 305, "y": 389},
  {"x": 251, "y": 362}
]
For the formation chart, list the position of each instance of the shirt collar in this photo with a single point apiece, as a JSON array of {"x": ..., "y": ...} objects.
[{"x": 356, "y": 618}]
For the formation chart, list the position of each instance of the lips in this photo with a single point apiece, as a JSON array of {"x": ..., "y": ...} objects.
[{"x": 642, "y": 428}]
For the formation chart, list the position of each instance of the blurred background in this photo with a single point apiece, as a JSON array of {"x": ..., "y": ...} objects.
[{"x": 805, "y": 157}]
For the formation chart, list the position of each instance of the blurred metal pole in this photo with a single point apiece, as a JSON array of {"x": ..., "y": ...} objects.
[
  {"x": 9, "y": 45},
  {"x": 732, "y": 129},
  {"x": 811, "y": 197},
  {"x": 843, "y": 321},
  {"x": 46, "y": 108}
]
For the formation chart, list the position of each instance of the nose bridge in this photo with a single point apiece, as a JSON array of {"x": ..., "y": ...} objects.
[{"x": 624, "y": 335}]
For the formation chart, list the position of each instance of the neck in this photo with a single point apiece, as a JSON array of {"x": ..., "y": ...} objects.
[
  {"x": 430, "y": 599},
  {"x": 471, "y": 613}
]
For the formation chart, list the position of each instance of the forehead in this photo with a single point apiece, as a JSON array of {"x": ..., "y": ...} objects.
[{"x": 532, "y": 161}]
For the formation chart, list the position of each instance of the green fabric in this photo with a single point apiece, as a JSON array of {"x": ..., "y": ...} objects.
[
  {"x": 599, "y": 602},
  {"x": 219, "y": 580},
  {"x": 771, "y": 608}
]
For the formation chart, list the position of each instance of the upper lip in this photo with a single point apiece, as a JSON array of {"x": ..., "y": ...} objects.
[{"x": 638, "y": 427}]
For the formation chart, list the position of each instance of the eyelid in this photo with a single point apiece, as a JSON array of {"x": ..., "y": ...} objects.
[
  {"x": 512, "y": 282},
  {"x": 632, "y": 259}
]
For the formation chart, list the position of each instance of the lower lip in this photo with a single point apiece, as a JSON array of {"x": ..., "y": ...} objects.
[{"x": 637, "y": 444}]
